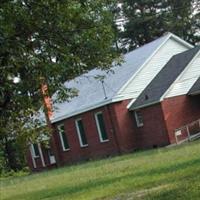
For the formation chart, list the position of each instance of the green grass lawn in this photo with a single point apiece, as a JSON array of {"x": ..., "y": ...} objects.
[{"x": 167, "y": 173}]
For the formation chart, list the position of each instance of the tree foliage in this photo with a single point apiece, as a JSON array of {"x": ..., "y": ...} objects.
[
  {"x": 48, "y": 41},
  {"x": 148, "y": 19}
]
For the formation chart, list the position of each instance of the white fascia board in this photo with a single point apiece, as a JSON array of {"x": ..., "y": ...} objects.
[
  {"x": 194, "y": 93},
  {"x": 123, "y": 97},
  {"x": 178, "y": 39},
  {"x": 143, "y": 106},
  {"x": 103, "y": 103},
  {"x": 180, "y": 75},
  {"x": 130, "y": 104}
]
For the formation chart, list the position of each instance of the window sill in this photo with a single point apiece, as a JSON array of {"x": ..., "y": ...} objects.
[
  {"x": 83, "y": 146},
  {"x": 65, "y": 150},
  {"x": 103, "y": 141},
  {"x": 140, "y": 125},
  {"x": 35, "y": 157}
]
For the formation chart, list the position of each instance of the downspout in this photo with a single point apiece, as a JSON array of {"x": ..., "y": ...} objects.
[
  {"x": 110, "y": 116},
  {"x": 113, "y": 128}
]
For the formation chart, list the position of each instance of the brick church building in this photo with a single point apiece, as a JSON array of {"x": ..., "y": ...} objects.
[{"x": 141, "y": 105}]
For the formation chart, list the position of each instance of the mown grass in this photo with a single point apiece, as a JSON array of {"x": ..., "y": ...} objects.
[{"x": 156, "y": 174}]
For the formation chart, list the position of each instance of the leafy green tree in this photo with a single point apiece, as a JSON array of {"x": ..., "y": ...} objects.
[
  {"x": 145, "y": 20},
  {"x": 48, "y": 42}
]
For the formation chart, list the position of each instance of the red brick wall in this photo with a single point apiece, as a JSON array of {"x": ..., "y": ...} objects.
[
  {"x": 179, "y": 111},
  {"x": 153, "y": 133},
  {"x": 95, "y": 148},
  {"x": 123, "y": 134},
  {"x": 124, "y": 124}
]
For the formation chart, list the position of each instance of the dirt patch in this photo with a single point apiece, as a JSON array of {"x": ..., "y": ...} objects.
[{"x": 140, "y": 194}]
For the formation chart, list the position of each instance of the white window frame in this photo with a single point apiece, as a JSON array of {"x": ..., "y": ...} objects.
[
  {"x": 33, "y": 151},
  {"x": 98, "y": 127},
  {"x": 138, "y": 123},
  {"x": 61, "y": 137},
  {"x": 52, "y": 158},
  {"x": 79, "y": 134}
]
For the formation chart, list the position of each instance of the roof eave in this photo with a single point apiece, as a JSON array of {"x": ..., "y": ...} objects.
[
  {"x": 194, "y": 93},
  {"x": 143, "y": 106},
  {"x": 96, "y": 106},
  {"x": 78, "y": 112}
]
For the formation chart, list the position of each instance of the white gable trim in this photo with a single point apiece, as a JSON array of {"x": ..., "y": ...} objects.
[
  {"x": 179, "y": 77},
  {"x": 170, "y": 35},
  {"x": 142, "y": 106},
  {"x": 141, "y": 67},
  {"x": 178, "y": 39},
  {"x": 130, "y": 104},
  {"x": 195, "y": 93}
]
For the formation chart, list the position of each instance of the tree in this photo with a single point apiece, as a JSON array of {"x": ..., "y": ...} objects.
[
  {"x": 48, "y": 42},
  {"x": 145, "y": 20}
]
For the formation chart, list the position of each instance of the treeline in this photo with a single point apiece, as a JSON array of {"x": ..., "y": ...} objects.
[{"x": 146, "y": 20}]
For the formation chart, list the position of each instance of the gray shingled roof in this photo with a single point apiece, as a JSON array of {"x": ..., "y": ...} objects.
[
  {"x": 90, "y": 89},
  {"x": 195, "y": 88},
  {"x": 159, "y": 85}
]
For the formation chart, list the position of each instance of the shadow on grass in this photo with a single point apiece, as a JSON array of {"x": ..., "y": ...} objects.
[
  {"x": 91, "y": 185},
  {"x": 184, "y": 191}
]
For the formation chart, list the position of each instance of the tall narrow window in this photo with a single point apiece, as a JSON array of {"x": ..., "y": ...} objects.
[
  {"x": 81, "y": 133},
  {"x": 35, "y": 150},
  {"x": 139, "y": 118},
  {"x": 63, "y": 137},
  {"x": 101, "y": 127}
]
